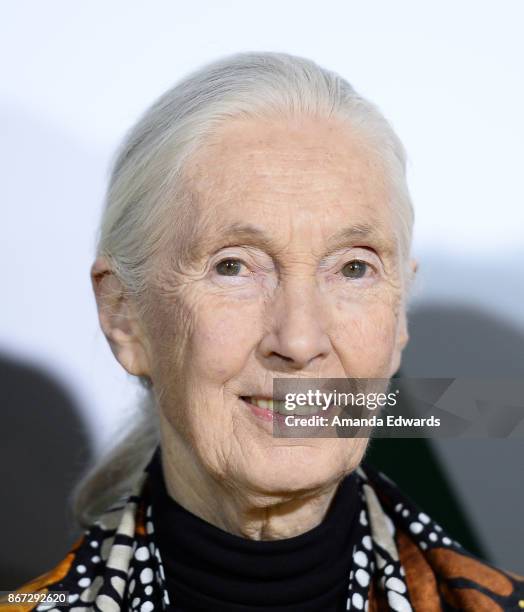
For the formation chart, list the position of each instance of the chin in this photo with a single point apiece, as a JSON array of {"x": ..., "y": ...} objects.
[{"x": 295, "y": 467}]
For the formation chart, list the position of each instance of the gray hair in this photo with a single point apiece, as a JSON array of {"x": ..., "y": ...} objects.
[{"x": 147, "y": 178}]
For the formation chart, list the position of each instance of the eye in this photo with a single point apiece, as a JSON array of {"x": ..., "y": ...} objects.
[
  {"x": 355, "y": 269},
  {"x": 229, "y": 267}
]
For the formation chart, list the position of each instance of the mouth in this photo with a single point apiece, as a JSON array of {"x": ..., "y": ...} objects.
[
  {"x": 264, "y": 408},
  {"x": 270, "y": 408}
]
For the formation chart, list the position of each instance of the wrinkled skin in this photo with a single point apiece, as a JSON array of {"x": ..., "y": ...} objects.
[{"x": 287, "y": 310}]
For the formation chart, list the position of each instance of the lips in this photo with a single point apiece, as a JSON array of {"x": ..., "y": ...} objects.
[
  {"x": 278, "y": 406},
  {"x": 268, "y": 414}
]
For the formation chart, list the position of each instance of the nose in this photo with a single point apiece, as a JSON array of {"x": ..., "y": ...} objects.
[{"x": 296, "y": 337}]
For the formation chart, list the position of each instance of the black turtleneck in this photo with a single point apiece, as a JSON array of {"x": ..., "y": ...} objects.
[{"x": 207, "y": 568}]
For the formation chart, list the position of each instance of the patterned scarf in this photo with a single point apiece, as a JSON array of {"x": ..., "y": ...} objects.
[{"x": 404, "y": 561}]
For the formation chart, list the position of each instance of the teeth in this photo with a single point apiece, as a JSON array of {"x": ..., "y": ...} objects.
[
  {"x": 280, "y": 406},
  {"x": 268, "y": 404}
]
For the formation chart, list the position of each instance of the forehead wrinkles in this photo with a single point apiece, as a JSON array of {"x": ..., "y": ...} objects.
[
  {"x": 280, "y": 147},
  {"x": 254, "y": 170},
  {"x": 282, "y": 179},
  {"x": 236, "y": 178}
]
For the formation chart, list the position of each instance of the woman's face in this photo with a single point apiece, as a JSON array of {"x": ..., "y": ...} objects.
[{"x": 259, "y": 287}]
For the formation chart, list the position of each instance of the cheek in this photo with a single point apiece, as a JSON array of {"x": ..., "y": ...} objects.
[
  {"x": 223, "y": 338},
  {"x": 366, "y": 338}
]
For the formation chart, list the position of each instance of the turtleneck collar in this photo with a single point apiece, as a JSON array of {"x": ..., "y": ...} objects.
[{"x": 207, "y": 568}]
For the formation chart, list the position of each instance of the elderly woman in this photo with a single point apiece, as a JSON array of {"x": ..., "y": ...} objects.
[{"x": 257, "y": 227}]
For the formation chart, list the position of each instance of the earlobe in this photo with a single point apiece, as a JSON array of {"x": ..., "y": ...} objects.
[
  {"x": 401, "y": 341},
  {"x": 403, "y": 336},
  {"x": 118, "y": 319}
]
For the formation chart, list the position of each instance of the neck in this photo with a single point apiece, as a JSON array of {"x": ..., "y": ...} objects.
[{"x": 249, "y": 514}]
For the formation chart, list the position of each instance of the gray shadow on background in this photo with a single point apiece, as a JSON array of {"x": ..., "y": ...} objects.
[
  {"x": 460, "y": 340},
  {"x": 487, "y": 475},
  {"x": 44, "y": 440},
  {"x": 44, "y": 449}
]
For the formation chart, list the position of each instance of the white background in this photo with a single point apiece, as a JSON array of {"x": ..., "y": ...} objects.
[{"x": 75, "y": 76}]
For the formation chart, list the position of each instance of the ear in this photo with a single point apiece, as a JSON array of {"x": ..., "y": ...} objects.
[
  {"x": 118, "y": 319},
  {"x": 402, "y": 326},
  {"x": 403, "y": 334},
  {"x": 413, "y": 267}
]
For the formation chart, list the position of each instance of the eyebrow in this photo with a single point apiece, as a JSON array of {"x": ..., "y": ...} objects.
[
  {"x": 238, "y": 234},
  {"x": 358, "y": 231}
]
